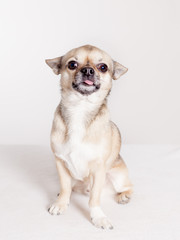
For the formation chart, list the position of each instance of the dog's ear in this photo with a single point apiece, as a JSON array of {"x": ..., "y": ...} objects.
[
  {"x": 118, "y": 70},
  {"x": 55, "y": 64}
]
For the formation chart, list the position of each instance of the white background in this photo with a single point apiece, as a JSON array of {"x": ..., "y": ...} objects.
[{"x": 142, "y": 35}]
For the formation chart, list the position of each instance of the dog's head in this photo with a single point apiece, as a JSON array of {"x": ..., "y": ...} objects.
[{"x": 86, "y": 69}]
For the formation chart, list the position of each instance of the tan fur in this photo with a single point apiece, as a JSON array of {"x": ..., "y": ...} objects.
[{"x": 83, "y": 122}]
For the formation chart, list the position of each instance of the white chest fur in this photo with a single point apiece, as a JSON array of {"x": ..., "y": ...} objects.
[{"x": 75, "y": 152}]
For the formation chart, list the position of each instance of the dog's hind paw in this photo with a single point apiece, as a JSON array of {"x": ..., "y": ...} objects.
[{"x": 123, "y": 197}]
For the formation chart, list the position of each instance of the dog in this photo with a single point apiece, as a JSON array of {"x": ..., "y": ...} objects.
[{"x": 85, "y": 143}]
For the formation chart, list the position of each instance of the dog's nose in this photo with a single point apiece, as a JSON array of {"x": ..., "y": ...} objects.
[{"x": 87, "y": 71}]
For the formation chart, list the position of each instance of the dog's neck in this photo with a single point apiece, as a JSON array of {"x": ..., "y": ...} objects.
[{"x": 79, "y": 111}]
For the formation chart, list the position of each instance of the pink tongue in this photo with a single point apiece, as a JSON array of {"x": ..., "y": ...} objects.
[{"x": 88, "y": 82}]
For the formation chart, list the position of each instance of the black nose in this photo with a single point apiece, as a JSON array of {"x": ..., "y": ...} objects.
[{"x": 87, "y": 71}]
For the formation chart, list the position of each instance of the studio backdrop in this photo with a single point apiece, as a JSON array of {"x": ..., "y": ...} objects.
[{"x": 142, "y": 35}]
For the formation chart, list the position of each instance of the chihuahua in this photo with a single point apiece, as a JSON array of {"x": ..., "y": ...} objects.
[{"x": 85, "y": 143}]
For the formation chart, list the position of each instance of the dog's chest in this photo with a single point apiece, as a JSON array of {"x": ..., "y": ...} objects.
[
  {"x": 75, "y": 152},
  {"x": 76, "y": 157}
]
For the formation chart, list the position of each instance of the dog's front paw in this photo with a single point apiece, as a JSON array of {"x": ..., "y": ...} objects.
[
  {"x": 99, "y": 219},
  {"x": 102, "y": 222},
  {"x": 57, "y": 208}
]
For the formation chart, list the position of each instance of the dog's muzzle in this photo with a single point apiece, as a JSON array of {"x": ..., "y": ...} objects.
[{"x": 86, "y": 81}]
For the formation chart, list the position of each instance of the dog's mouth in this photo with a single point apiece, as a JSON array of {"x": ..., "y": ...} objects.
[
  {"x": 86, "y": 85},
  {"x": 88, "y": 82}
]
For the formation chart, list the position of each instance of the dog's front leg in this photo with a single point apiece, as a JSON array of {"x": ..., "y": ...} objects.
[
  {"x": 98, "y": 218},
  {"x": 63, "y": 199}
]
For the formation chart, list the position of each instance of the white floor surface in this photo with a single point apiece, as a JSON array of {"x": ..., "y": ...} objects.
[{"x": 29, "y": 183}]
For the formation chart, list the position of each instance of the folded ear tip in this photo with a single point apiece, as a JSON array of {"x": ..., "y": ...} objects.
[
  {"x": 46, "y": 61},
  {"x": 49, "y": 63}
]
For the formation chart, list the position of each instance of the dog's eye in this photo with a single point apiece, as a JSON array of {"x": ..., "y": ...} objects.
[
  {"x": 72, "y": 65},
  {"x": 102, "y": 67}
]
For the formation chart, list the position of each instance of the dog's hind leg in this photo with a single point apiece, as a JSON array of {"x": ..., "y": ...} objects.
[
  {"x": 81, "y": 186},
  {"x": 119, "y": 178}
]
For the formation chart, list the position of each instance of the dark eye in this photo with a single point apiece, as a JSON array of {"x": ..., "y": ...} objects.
[
  {"x": 102, "y": 67},
  {"x": 72, "y": 65}
]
